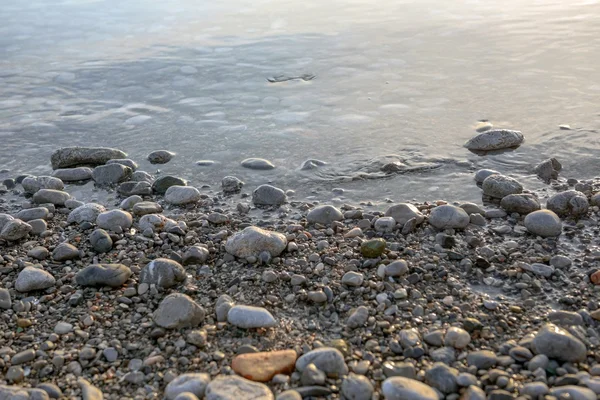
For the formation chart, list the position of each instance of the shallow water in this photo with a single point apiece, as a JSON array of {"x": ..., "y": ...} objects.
[{"x": 402, "y": 78}]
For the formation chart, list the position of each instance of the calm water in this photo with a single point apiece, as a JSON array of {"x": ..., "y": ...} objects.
[{"x": 394, "y": 80}]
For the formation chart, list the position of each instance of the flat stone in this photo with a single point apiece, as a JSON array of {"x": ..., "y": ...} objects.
[
  {"x": 110, "y": 174},
  {"x": 253, "y": 240},
  {"x": 194, "y": 383},
  {"x": 257, "y": 163},
  {"x": 248, "y": 317},
  {"x": 448, "y": 217},
  {"x": 403, "y": 212},
  {"x": 56, "y": 197},
  {"x": 565, "y": 318},
  {"x": 180, "y": 195},
  {"x": 73, "y": 156},
  {"x": 130, "y": 202},
  {"x": 162, "y": 272},
  {"x": 30, "y": 214},
  {"x": 114, "y": 220},
  {"x": 559, "y": 344},
  {"x": 327, "y": 359},
  {"x": 500, "y": 186},
  {"x": 163, "y": 183},
  {"x": 177, "y": 311},
  {"x": 124, "y": 161},
  {"x": 86, "y": 213},
  {"x": 64, "y": 252},
  {"x": 573, "y": 392},
  {"x": 482, "y": 359},
  {"x": 32, "y": 184},
  {"x": 267, "y": 195},
  {"x": 522, "y": 203},
  {"x": 263, "y": 366},
  {"x": 63, "y": 328},
  {"x": 324, "y": 215},
  {"x": 160, "y": 156},
  {"x": 400, "y": 388},
  {"x": 133, "y": 188},
  {"x": 73, "y": 174},
  {"x": 495, "y": 139},
  {"x": 31, "y": 278},
  {"x": 233, "y": 387},
  {"x": 481, "y": 174},
  {"x": 53, "y": 391},
  {"x": 23, "y": 357},
  {"x": 38, "y": 226},
  {"x": 113, "y": 275},
  {"x": 14, "y": 229}
]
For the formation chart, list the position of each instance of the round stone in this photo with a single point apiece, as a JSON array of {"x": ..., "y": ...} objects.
[
  {"x": 500, "y": 186},
  {"x": 523, "y": 203},
  {"x": 544, "y": 223},
  {"x": 449, "y": 217},
  {"x": 160, "y": 156},
  {"x": 267, "y": 195},
  {"x": 324, "y": 215},
  {"x": 177, "y": 311},
  {"x": 403, "y": 212},
  {"x": 180, "y": 195},
  {"x": 569, "y": 203}
]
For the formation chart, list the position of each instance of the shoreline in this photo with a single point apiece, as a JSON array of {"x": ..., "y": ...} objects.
[{"x": 381, "y": 294}]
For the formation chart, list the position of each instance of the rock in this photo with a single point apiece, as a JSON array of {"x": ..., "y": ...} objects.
[
  {"x": 257, "y": 163},
  {"x": 72, "y": 174},
  {"x": 5, "y": 301},
  {"x": 205, "y": 163},
  {"x": 113, "y": 275},
  {"x": 472, "y": 208},
  {"x": 160, "y": 157},
  {"x": 19, "y": 393},
  {"x": 30, "y": 214},
  {"x": 38, "y": 226},
  {"x": 400, "y": 388},
  {"x": 14, "y": 230},
  {"x": 289, "y": 395},
  {"x": 543, "y": 223},
  {"x": 484, "y": 173},
  {"x": 195, "y": 255},
  {"x": 573, "y": 392},
  {"x": 495, "y": 139},
  {"x": 523, "y": 203},
  {"x": 101, "y": 241},
  {"x": 357, "y": 387},
  {"x": 31, "y": 278},
  {"x": 548, "y": 169},
  {"x": 312, "y": 164},
  {"x": 146, "y": 207},
  {"x": 442, "y": 377},
  {"x": 163, "y": 273},
  {"x": 263, "y": 366},
  {"x": 327, "y": 359},
  {"x": 457, "y": 338},
  {"x": 62, "y": 328},
  {"x": 177, "y": 311},
  {"x": 538, "y": 269},
  {"x": 253, "y": 240},
  {"x": 353, "y": 279},
  {"x": 482, "y": 359},
  {"x": 53, "y": 391},
  {"x": 267, "y": 195},
  {"x": 222, "y": 306},
  {"x": 403, "y": 212},
  {"x": 86, "y": 213},
  {"x": 560, "y": 261},
  {"x": 142, "y": 176},
  {"x": 162, "y": 184},
  {"x": 231, "y": 184},
  {"x": 110, "y": 174},
  {"x": 372, "y": 248},
  {"x": 396, "y": 268},
  {"x": 33, "y": 184},
  {"x": 180, "y": 195},
  {"x": 156, "y": 223},
  {"x": 73, "y": 156},
  {"x": 473, "y": 393},
  {"x": 64, "y": 252},
  {"x": 500, "y": 186},
  {"x": 114, "y": 220},
  {"x": 191, "y": 383},
  {"x": 248, "y": 317},
  {"x": 534, "y": 389},
  {"x": 4, "y": 219},
  {"x": 358, "y": 317},
  {"x": 384, "y": 224},
  {"x": 559, "y": 344},
  {"x": 324, "y": 215},
  {"x": 132, "y": 188},
  {"x": 233, "y": 387},
  {"x": 51, "y": 196},
  {"x": 88, "y": 391},
  {"x": 124, "y": 161},
  {"x": 448, "y": 217},
  {"x": 568, "y": 203},
  {"x": 9, "y": 183}
]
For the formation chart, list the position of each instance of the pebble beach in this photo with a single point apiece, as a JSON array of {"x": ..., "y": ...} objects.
[{"x": 167, "y": 291}]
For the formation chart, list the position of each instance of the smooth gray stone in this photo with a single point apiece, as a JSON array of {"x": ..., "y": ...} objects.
[
  {"x": 73, "y": 174},
  {"x": 113, "y": 275},
  {"x": 73, "y": 156},
  {"x": 178, "y": 311},
  {"x": 162, "y": 272},
  {"x": 324, "y": 215},
  {"x": 248, "y": 317},
  {"x": 257, "y": 163},
  {"x": 327, "y": 359}
]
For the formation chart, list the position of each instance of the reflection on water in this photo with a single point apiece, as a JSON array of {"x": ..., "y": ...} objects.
[{"x": 192, "y": 77}]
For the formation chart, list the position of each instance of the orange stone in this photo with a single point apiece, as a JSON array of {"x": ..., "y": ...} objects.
[
  {"x": 263, "y": 366},
  {"x": 595, "y": 278}
]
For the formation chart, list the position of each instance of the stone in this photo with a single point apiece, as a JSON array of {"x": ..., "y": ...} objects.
[
  {"x": 114, "y": 220},
  {"x": 482, "y": 359},
  {"x": 384, "y": 224},
  {"x": 327, "y": 359},
  {"x": 538, "y": 269},
  {"x": 500, "y": 186},
  {"x": 520, "y": 203},
  {"x": 5, "y": 300},
  {"x": 181, "y": 195},
  {"x": 146, "y": 207},
  {"x": 233, "y": 387},
  {"x": 534, "y": 389},
  {"x": 495, "y": 139},
  {"x": 560, "y": 261},
  {"x": 124, "y": 161},
  {"x": 403, "y": 212},
  {"x": 568, "y": 203},
  {"x": 19, "y": 393},
  {"x": 30, "y": 214},
  {"x": 481, "y": 174},
  {"x": 357, "y": 387},
  {"x": 110, "y": 174},
  {"x": 177, "y": 311},
  {"x": 358, "y": 317},
  {"x": 195, "y": 255},
  {"x": 5, "y": 219},
  {"x": 155, "y": 223},
  {"x": 33, "y": 184},
  {"x": 353, "y": 279},
  {"x": 56, "y": 197},
  {"x": 222, "y": 306},
  {"x": 38, "y": 226},
  {"x": 372, "y": 248},
  {"x": 267, "y": 195},
  {"x": 324, "y": 215},
  {"x": 472, "y": 208},
  {"x": 231, "y": 184},
  {"x": 133, "y": 188},
  {"x": 130, "y": 202},
  {"x": 31, "y": 278},
  {"x": 544, "y": 223},
  {"x": 248, "y": 317},
  {"x": 53, "y": 391},
  {"x": 473, "y": 393},
  {"x": 14, "y": 230},
  {"x": 400, "y": 388},
  {"x": 396, "y": 268},
  {"x": 548, "y": 169},
  {"x": 23, "y": 357},
  {"x": 457, "y": 338},
  {"x": 448, "y": 217},
  {"x": 557, "y": 343},
  {"x": 263, "y": 366},
  {"x": 64, "y": 252},
  {"x": 73, "y": 174},
  {"x": 73, "y": 156},
  {"x": 86, "y": 213},
  {"x": 113, "y": 275},
  {"x": 162, "y": 272},
  {"x": 62, "y": 328},
  {"x": 101, "y": 241},
  {"x": 162, "y": 184},
  {"x": 160, "y": 156},
  {"x": 142, "y": 176},
  {"x": 442, "y": 377},
  {"x": 573, "y": 392},
  {"x": 257, "y": 163},
  {"x": 253, "y": 240},
  {"x": 289, "y": 395},
  {"x": 194, "y": 383},
  {"x": 89, "y": 391}
]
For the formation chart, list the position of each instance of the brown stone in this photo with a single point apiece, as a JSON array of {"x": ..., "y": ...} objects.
[
  {"x": 595, "y": 314},
  {"x": 595, "y": 278},
  {"x": 263, "y": 366}
]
